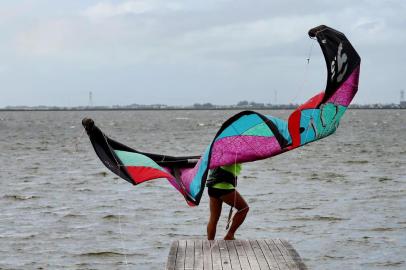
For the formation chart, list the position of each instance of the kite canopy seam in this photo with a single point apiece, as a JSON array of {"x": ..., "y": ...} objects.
[{"x": 247, "y": 136}]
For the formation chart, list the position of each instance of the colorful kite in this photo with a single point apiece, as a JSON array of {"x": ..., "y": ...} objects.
[{"x": 246, "y": 136}]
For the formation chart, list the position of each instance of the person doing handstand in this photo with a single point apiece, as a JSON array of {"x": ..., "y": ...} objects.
[{"x": 221, "y": 186}]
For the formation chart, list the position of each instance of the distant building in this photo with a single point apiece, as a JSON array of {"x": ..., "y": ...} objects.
[
  {"x": 402, "y": 105},
  {"x": 90, "y": 103}
]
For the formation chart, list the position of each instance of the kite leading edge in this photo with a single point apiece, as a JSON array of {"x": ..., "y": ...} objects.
[{"x": 248, "y": 135}]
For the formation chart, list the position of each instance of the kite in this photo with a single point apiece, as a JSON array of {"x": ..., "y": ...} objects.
[{"x": 247, "y": 136}]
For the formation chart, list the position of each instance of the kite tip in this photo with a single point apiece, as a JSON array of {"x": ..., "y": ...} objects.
[{"x": 88, "y": 123}]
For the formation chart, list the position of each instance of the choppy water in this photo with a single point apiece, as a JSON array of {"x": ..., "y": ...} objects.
[{"x": 341, "y": 201}]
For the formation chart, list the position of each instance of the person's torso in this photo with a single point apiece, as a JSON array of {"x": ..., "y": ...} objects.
[{"x": 224, "y": 177}]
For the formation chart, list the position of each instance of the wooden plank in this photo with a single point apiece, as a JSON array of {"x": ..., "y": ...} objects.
[
  {"x": 250, "y": 255},
  {"x": 292, "y": 258},
  {"x": 225, "y": 258},
  {"x": 215, "y": 255},
  {"x": 170, "y": 264},
  {"x": 242, "y": 256},
  {"x": 235, "y": 262},
  {"x": 273, "y": 254},
  {"x": 190, "y": 254},
  {"x": 294, "y": 254},
  {"x": 207, "y": 262},
  {"x": 279, "y": 258},
  {"x": 289, "y": 263},
  {"x": 198, "y": 265},
  {"x": 275, "y": 261},
  {"x": 180, "y": 257},
  {"x": 263, "y": 264}
]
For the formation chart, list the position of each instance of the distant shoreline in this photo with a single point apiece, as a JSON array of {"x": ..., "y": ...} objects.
[{"x": 178, "y": 109}]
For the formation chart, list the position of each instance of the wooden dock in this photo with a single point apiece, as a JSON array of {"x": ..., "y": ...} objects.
[{"x": 275, "y": 254}]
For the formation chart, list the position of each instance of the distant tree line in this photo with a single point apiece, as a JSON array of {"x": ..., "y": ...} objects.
[
  {"x": 207, "y": 105},
  {"x": 245, "y": 103}
]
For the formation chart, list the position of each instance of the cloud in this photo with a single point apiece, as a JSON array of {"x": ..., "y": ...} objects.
[
  {"x": 104, "y": 10},
  {"x": 44, "y": 38},
  {"x": 87, "y": 42},
  {"x": 188, "y": 44},
  {"x": 249, "y": 35}
]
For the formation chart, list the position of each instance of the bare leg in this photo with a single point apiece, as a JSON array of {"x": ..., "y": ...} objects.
[
  {"x": 235, "y": 199},
  {"x": 215, "y": 211}
]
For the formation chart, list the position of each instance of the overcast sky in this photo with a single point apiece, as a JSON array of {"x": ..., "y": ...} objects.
[{"x": 185, "y": 52}]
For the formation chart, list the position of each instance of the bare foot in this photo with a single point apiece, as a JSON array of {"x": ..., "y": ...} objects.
[{"x": 229, "y": 237}]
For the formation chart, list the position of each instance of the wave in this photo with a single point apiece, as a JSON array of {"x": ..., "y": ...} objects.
[
  {"x": 103, "y": 254},
  {"x": 357, "y": 161},
  {"x": 20, "y": 197},
  {"x": 319, "y": 218}
]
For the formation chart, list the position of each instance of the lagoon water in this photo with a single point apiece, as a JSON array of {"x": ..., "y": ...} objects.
[{"x": 340, "y": 201}]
